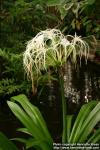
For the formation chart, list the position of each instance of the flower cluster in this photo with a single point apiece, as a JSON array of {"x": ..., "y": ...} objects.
[{"x": 50, "y": 48}]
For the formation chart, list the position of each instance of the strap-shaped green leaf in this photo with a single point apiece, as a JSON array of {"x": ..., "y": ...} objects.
[
  {"x": 24, "y": 130},
  {"x": 92, "y": 119},
  {"x": 33, "y": 121},
  {"x": 34, "y": 114},
  {"x": 26, "y": 120},
  {"x": 36, "y": 143},
  {"x": 69, "y": 126},
  {"x": 83, "y": 114}
]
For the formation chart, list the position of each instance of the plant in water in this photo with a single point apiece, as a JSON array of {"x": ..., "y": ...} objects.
[{"x": 50, "y": 48}]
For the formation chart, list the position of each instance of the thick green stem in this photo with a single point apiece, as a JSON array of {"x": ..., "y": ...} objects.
[{"x": 61, "y": 82}]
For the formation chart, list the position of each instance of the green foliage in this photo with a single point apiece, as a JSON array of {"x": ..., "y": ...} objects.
[
  {"x": 21, "y": 19},
  {"x": 12, "y": 74},
  {"x": 5, "y": 143},
  {"x": 7, "y": 87},
  {"x": 78, "y": 131},
  {"x": 12, "y": 63},
  {"x": 11, "y": 86},
  {"x": 82, "y": 130},
  {"x": 78, "y": 16},
  {"x": 74, "y": 5},
  {"x": 33, "y": 122}
]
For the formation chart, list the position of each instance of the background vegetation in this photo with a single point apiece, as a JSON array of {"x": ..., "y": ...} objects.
[{"x": 22, "y": 19}]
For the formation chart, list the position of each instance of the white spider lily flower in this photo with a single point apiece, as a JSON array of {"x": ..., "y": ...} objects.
[{"x": 50, "y": 48}]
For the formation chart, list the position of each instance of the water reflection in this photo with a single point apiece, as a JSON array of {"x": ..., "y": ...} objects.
[
  {"x": 71, "y": 93},
  {"x": 82, "y": 83}
]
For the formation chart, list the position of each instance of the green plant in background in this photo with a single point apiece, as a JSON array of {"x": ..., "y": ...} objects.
[
  {"x": 78, "y": 16},
  {"x": 78, "y": 131},
  {"x": 22, "y": 19},
  {"x": 75, "y": 6},
  {"x": 12, "y": 74}
]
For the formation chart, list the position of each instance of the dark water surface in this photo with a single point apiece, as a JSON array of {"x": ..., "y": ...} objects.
[{"x": 82, "y": 84}]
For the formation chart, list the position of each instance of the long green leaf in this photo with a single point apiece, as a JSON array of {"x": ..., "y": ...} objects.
[
  {"x": 69, "y": 126},
  {"x": 34, "y": 114},
  {"x": 30, "y": 143},
  {"x": 84, "y": 112},
  {"x": 90, "y": 122},
  {"x": 24, "y": 130},
  {"x": 32, "y": 119},
  {"x": 22, "y": 140},
  {"x": 26, "y": 120}
]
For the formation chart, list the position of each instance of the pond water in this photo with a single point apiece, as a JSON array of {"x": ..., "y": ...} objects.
[{"x": 82, "y": 84}]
